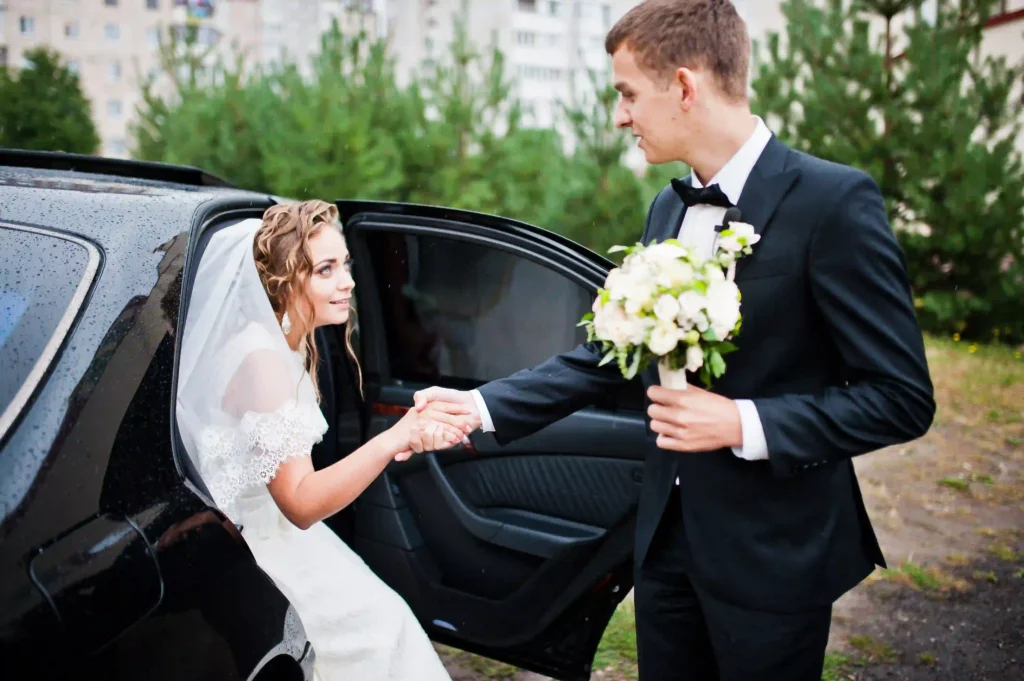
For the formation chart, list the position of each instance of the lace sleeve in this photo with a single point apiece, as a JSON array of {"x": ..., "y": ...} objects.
[{"x": 277, "y": 418}]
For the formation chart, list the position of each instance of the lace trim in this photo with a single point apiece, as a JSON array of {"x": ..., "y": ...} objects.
[{"x": 233, "y": 460}]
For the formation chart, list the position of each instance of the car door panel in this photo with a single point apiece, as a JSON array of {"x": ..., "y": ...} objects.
[{"x": 518, "y": 552}]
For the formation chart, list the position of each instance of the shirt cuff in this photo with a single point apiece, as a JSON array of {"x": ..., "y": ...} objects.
[
  {"x": 754, "y": 447},
  {"x": 486, "y": 425}
]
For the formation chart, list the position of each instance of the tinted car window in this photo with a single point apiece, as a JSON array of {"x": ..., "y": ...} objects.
[
  {"x": 461, "y": 314},
  {"x": 39, "y": 275}
]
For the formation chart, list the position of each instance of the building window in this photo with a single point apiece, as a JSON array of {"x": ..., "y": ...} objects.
[
  {"x": 153, "y": 37},
  {"x": 117, "y": 147},
  {"x": 72, "y": 30},
  {"x": 114, "y": 72},
  {"x": 112, "y": 32},
  {"x": 114, "y": 108},
  {"x": 152, "y": 4},
  {"x": 110, "y": 3},
  {"x": 27, "y": 26},
  {"x": 3, "y": 57},
  {"x": 527, "y": 5},
  {"x": 555, "y": 8},
  {"x": 606, "y": 15},
  {"x": 73, "y": 66},
  {"x": 526, "y": 38}
]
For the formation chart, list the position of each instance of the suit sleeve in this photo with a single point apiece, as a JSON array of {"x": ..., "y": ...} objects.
[
  {"x": 531, "y": 399},
  {"x": 858, "y": 280}
]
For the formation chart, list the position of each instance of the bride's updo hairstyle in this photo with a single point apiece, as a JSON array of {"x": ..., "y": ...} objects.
[{"x": 285, "y": 264}]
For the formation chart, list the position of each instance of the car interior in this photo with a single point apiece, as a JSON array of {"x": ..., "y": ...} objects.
[{"x": 520, "y": 552}]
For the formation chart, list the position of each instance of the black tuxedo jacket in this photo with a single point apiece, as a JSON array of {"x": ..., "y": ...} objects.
[{"x": 832, "y": 356}]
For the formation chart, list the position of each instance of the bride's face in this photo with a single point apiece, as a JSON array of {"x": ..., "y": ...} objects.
[{"x": 330, "y": 285}]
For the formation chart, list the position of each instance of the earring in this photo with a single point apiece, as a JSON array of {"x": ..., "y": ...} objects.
[{"x": 286, "y": 324}]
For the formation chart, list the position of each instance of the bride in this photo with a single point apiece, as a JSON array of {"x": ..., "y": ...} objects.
[{"x": 249, "y": 415}]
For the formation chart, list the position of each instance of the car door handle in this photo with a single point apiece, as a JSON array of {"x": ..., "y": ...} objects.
[{"x": 523, "y": 531}]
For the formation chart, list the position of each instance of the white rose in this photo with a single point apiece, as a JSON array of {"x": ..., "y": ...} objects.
[
  {"x": 723, "y": 307},
  {"x": 639, "y": 293},
  {"x": 742, "y": 236},
  {"x": 666, "y": 308},
  {"x": 613, "y": 325},
  {"x": 675, "y": 273},
  {"x": 694, "y": 358},
  {"x": 690, "y": 305},
  {"x": 664, "y": 338},
  {"x": 714, "y": 273},
  {"x": 614, "y": 284},
  {"x": 661, "y": 253},
  {"x": 701, "y": 322}
]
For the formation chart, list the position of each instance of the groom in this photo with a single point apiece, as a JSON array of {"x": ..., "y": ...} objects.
[{"x": 751, "y": 522}]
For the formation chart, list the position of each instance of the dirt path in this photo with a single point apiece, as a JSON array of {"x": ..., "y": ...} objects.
[{"x": 949, "y": 513}]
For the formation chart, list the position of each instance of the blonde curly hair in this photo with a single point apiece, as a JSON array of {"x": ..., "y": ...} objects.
[{"x": 284, "y": 263}]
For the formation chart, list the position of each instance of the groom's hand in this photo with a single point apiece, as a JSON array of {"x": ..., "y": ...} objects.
[
  {"x": 693, "y": 420},
  {"x": 423, "y": 398}
]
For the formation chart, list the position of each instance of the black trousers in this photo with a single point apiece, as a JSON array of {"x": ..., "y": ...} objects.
[{"x": 684, "y": 634}]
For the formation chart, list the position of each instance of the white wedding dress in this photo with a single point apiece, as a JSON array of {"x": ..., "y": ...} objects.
[{"x": 245, "y": 404}]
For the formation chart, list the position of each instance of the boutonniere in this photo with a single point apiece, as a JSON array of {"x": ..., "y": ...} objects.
[{"x": 735, "y": 241}]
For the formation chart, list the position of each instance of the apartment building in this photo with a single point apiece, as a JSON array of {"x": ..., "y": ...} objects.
[
  {"x": 549, "y": 45},
  {"x": 292, "y": 28},
  {"x": 113, "y": 44}
]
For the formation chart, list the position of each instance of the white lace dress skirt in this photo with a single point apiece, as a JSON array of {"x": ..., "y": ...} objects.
[{"x": 359, "y": 627}]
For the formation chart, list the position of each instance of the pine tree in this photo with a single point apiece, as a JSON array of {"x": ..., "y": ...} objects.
[
  {"x": 873, "y": 84},
  {"x": 42, "y": 107}
]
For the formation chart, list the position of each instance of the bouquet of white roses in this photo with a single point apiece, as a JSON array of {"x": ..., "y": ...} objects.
[{"x": 666, "y": 303}]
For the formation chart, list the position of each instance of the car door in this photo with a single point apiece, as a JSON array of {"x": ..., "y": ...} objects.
[{"x": 519, "y": 553}]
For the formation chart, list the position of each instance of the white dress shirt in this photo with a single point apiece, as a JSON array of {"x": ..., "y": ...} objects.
[{"x": 698, "y": 230}]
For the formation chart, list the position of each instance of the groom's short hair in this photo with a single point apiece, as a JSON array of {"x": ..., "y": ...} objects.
[{"x": 667, "y": 34}]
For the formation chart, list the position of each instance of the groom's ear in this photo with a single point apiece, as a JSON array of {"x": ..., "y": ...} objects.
[{"x": 686, "y": 81}]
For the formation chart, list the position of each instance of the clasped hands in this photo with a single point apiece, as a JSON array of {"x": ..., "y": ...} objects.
[{"x": 439, "y": 420}]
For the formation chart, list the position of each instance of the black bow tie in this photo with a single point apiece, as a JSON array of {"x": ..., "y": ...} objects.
[{"x": 691, "y": 196}]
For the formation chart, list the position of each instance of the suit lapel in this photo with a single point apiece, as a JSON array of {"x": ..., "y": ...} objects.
[
  {"x": 769, "y": 183},
  {"x": 667, "y": 227}
]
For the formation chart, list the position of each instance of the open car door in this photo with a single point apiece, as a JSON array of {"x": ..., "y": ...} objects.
[{"x": 518, "y": 553}]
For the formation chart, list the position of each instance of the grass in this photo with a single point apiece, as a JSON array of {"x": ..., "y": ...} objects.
[
  {"x": 617, "y": 650},
  {"x": 984, "y": 387},
  {"x": 835, "y": 667},
  {"x": 930, "y": 578},
  {"x": 873, "y": 651},
  {"x": 1004, "y": 552}
]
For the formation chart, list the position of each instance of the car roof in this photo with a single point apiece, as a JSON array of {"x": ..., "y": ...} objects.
[{"x": 91, "y": 196}]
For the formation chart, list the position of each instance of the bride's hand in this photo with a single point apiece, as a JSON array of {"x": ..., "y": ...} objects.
[{"x": 440, "y": 426}]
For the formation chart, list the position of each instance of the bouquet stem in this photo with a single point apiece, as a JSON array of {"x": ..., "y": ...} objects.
[{"x": 671, "y": 378}]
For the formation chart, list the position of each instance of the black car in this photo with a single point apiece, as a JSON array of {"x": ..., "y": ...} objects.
[{"x": 115, "y": 563}]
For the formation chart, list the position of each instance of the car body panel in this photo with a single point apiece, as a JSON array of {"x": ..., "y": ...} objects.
[{"x": 90, "y": 489}]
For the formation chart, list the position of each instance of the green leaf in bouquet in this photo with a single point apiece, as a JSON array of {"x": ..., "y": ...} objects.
[
  {"x": 700, "y": 286},
  {"x": 618, "y": 249},
  {"x": 604, "y": 295},
  {"x": 705, "y": 376},
  {"x": 709, "y": 335},
  {"x": 727, "y": 232},
  {"x": 607, "y": 358},
  {"x": 635, "y": 365},
  {"x": 622, "y": 355},
  {"x": 717, "y": 364},
  {"x": 586, "y": 319},
  {"x": 725, "y": 347}
]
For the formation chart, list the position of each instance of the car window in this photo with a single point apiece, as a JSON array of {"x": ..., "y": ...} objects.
[
  {"x": 461, "y": 314},
  {"x": 41, "y": 277}
]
